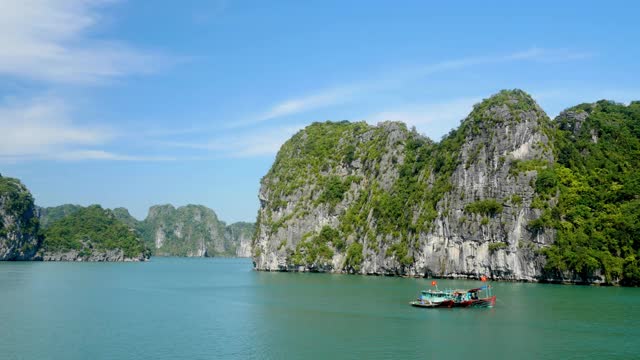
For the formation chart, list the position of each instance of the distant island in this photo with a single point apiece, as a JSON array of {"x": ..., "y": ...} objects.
[
  {"x": 510, "y": 194},
  {"x": 76, "y": 233},
  {"x": 190, "y": 231}
]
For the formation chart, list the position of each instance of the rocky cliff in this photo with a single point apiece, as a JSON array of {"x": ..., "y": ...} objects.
[
  {"x": 193, "y": 230},
  {"x": 240, "y": 234},
  {"x": 94, "y": 255},
  {"x": 349, "y": 197},
  {"x": 18, "y": 221},
  {"x": 481, "y": 226}
]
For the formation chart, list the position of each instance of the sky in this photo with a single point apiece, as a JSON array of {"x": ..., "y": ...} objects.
[{"x": 136, "y": 103}]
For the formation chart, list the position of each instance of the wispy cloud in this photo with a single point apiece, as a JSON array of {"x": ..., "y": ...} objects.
[
  {"x": 298, "y": 105},
  {"x": 246, "y": 144},
  {"x": 42, "y": 128},
  {"x": 556, "y": 100},
  {"x": 79, "y": 155},
  {"x": 41, "y": 125},
  {"x": 550, "y": 55},
  {"x": 433, "y": 119},
  {"x": 55, "y": 42},
  {"x": 396, "y": 78},
  {"x": 533, "y": 54},
  {"x": 47, "y": 40}
]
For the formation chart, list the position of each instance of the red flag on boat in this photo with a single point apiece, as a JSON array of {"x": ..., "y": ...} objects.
[
  {"x": 483, "y": 278},
  {"x": 433, "y": 283}
]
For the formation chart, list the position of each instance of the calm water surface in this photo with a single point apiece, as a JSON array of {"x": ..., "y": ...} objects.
[{"x": 173, "y": 308}]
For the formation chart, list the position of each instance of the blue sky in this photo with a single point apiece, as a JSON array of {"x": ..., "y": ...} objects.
[{"x": 126, "y": 104}]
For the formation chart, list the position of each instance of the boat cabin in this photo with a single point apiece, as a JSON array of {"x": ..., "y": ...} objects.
[{"x": 431, "y": 296}]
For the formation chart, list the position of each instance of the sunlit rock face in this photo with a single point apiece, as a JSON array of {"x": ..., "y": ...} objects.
[{"x": 350, "y": 197}]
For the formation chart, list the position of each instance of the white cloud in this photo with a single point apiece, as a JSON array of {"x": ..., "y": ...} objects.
[
  {"x": 43, "y": 129},
  {"x": 532, "y": 54},
  {"x": 263, "y": 143},
  {"x": 248, "y": 144},
  {"x": 293, "y": 106},
  {"x": 433, "y": 119},
  {"x": 56, "y": 42},
  {"x": 43, "y": 126},
  {"x": 47, "y": 40},
  {"x": 549, "y": 55},
  {"x": 345, "y": 93},
  {"x": 78, "y": 155}
]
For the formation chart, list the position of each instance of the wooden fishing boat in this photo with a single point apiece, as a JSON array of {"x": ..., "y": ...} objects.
[
  {"x": 477, "y": 297},
  {"x": 471, "y": 298}
]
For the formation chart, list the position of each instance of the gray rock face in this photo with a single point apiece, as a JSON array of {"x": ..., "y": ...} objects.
[
  {"x": 572, "y": 120},
  {"x": 18, "y": 221},
  {"x": 459, "y": 245},
  {"x": 475, "y": 224},
  {"x": 191, "y": 231},
  {"x": 99, "y": 256},
  {"x": 194, "y": 231},
  {"x": 240, "y": 234},
  {"x": 301, "y": 213}
]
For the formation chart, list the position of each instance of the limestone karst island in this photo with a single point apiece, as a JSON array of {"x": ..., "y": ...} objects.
[
  {"x": 509, "y": 193},
  {"x": 234, "y": 180}
]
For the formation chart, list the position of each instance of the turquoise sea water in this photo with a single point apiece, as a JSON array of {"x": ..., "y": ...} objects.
[{"x": 172, "y": 308}]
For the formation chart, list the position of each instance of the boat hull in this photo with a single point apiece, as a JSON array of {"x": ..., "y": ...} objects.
[
  {"x": 443, "y": 304},
  {"x": 484, "y": 302}
]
